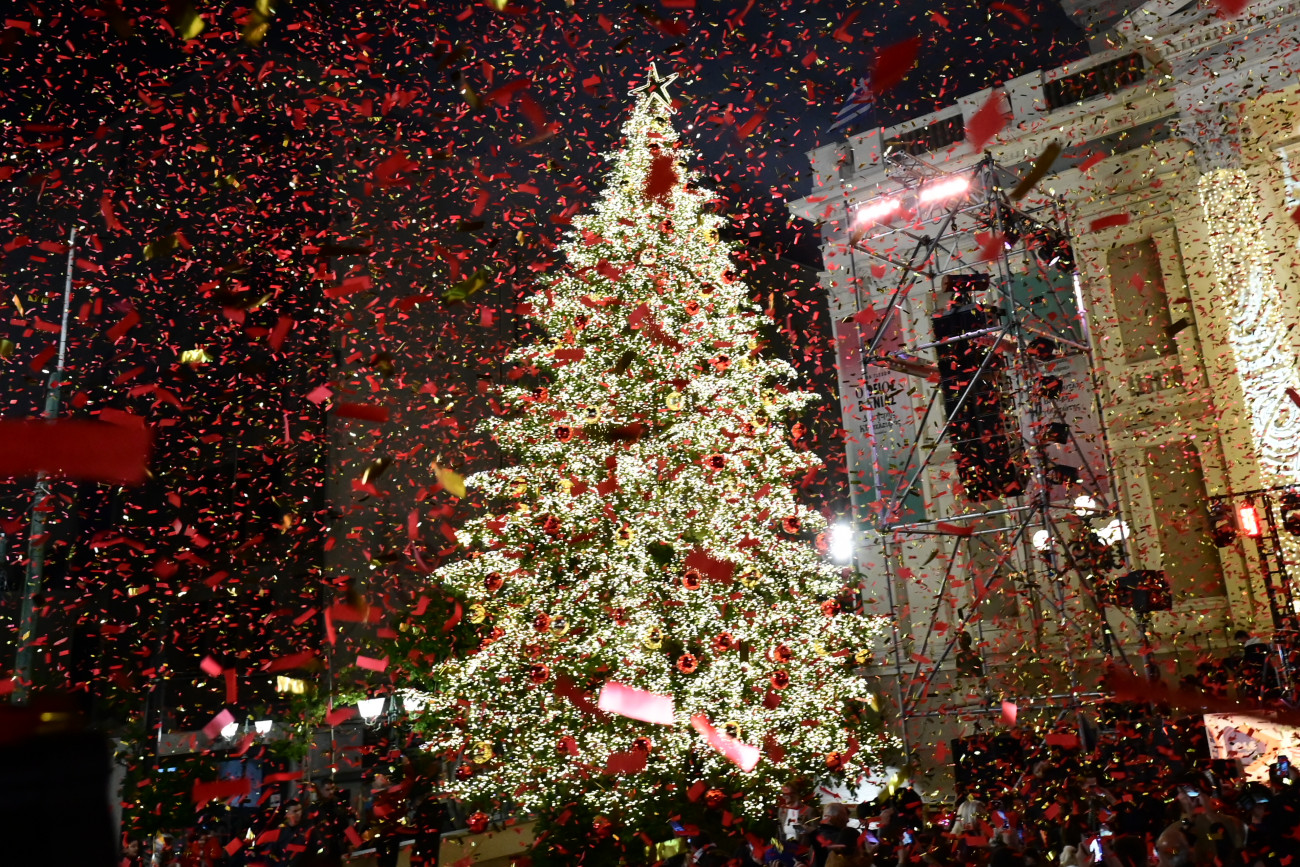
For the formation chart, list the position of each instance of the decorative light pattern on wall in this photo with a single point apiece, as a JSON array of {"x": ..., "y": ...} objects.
[{"x": 1265, "y": 363}]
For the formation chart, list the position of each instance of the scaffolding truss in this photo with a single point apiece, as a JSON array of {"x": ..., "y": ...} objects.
[{"x": 983, "y": 480}]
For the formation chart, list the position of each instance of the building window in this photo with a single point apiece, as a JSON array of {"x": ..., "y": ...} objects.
[
  {"x": 930, "y": 138},
  {"x": 1141, "y": 302},
  {"x": 1178, "y": 504},
  {"x": 1095, "y": 81}
]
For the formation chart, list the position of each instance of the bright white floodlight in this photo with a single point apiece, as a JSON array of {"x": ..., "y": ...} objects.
[
  {"x": 229, "y": 730},
  {"x": 1113, "y": 532},
  {"x": 841, "y": 543},
  {"x": 371, "y": 708},
  {"x": 263, "y": 726},
  {"x": 1084, "y": 505},
  {"x": 1042, "y": 540},
  {"x": 944, "y": 189},
  {"x": 876, "y": 211}
]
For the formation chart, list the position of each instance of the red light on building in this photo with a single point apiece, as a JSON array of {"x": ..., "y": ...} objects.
[{"x": 1248, "y": 520}]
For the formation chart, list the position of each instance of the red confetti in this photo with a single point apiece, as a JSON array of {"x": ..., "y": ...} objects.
[{"x": 87, "y": 450}]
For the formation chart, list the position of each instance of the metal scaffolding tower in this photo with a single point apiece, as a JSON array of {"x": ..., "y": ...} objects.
[{"x": 979, "y": 463}]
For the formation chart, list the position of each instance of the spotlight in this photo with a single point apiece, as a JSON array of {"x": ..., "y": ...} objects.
[
  {"x": 263, "y": 726},
  {"x": 1113, "y": 533},
  {"x": 841, "y": 549},
  {"x": 875, "y": 211},
  {"x": 1055, "y": 432},
  {"x": 1052, "y": 249},
  {"x": 964, "y": 287},
  {"x": 1062, "y": 474},
  {"x": 944, "y": 189},
  {"x": 229, "y": 730},
  {"x": 1222, "y": 527},
  {"x": 1084, "y": 505},
  {"x": 1043, "y": 348},
  {"x": 1144, "y": 590},
  {"x": 1248, "y": 519},
  {"x": 1290, "y": 509},
  {"x": 1041, "y": 540}
]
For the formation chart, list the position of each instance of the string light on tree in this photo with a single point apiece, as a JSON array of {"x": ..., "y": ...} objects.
[{"x": 648, "y": 533}]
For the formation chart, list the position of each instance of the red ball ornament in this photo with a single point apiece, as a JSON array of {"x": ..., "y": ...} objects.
[
  {"x": 602, "y": 827},
  {"x": 781, "y": 654},
  {"x": 692, "y": 307},
  {"x": 563, "y": 432},
  {"x": 464, "y": 772},
  {"x": 551, "y": 525},
  {"x": 715, "y": 462},
  {"x": 542, "y": 622},
  {"x": 687, "y": 663},
  {"x": 723, "y": 642},
  {"x": 830, "y": 608},
  {"x": 692, "y": 580},
  {"x": 780, "y": 679},
  {"x": 477, "y": 822},
  {"x": 539, "y": 673},
  {"x": 797, "y": 430},
  {"x": 791, "y": 524},
  {"x": 493, "y": 582},
  {"x": 567, "y": 746},
  {"x": 714, "y": 798},
  {"x": 620, "y": 617},
  {"x": 643, "y": 745},
  {"x": 835, "y": 761}
]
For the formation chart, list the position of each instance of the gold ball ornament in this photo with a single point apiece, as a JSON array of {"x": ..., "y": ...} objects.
[
  {"x": 647, "y": 257},
  {"x": 477, "y": 613},
  {"x": 711, "y": 236},
  {"x": 483, "y": 752},
  {"x": 674, "y": 401},
  {"x": 624, "y": 536},
  {"x": 862, "y": 657},
  {"x": 518, "y": 486},
  {"x": 731, "y": 729},
  {"x": 654, "y": 638},
  {"x": 748, "y": 577},
  {"x": 559, "y": 625}
]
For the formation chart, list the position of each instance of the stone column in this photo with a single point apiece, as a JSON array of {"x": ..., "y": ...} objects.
[{"x": 1247, "y": 287}]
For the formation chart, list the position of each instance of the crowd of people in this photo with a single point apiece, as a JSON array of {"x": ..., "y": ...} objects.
[
  {"x": 316, "y": 829},
  {"x": 1061, "y": 813}
]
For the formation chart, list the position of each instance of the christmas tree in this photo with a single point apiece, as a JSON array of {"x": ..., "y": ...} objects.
[{"x": 646, "y": 554}]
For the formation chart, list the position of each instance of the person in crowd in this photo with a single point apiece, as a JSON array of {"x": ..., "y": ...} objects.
[
  {"x": 832, "y": 834},
  {"x": 295, "y": 838},
  {"x": 792, "y": 814},
  {"x": 705, "y": 853},
  {"x": 387, "y": 814},
  {"x": 330, "y": 816}
]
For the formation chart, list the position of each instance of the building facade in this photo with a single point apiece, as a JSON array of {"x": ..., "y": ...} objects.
[{"x": 1176, "y": 183}]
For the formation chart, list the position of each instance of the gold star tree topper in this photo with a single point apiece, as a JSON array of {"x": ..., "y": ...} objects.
[{"x": 657, "y": 88}]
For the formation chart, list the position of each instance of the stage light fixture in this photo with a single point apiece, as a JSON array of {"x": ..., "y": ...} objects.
[
  {"x": 1041, "y": 540},
  {"x": 1085, "y": 505},
  {"x": 1248, "y": 520},
  {"x": 229, "y": 730},
  {"x": 841, "y": 548},
  {"x": 1223, "y": 529},
  {"x": 263, "y": 726},
  {"x": 1114, "y": 532},
  {"x": 944, "y": 189},
  {"x": 1055, "y": 432},
  {"x": 1290, "y": 509},
  {"x": 875, "y": 211},
  {"x": 1062, "y": 474}
]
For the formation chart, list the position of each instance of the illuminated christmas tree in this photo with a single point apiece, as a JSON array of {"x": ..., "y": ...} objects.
[{"x": 648, "y": 539}]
